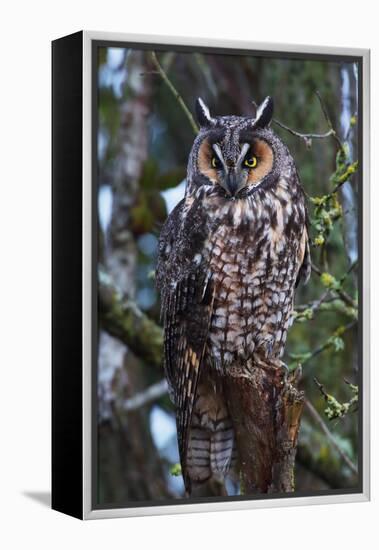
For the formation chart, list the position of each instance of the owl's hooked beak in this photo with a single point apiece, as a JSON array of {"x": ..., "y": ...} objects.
[
  {"x": 233, "y": 177},
  {"x": 234, "y": 180}
]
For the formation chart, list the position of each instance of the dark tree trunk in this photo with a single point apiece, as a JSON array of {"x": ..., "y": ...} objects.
[{"x": 266, "y": 408}]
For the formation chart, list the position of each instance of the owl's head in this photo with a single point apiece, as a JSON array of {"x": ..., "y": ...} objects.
[{"x": 233, "y": 156}]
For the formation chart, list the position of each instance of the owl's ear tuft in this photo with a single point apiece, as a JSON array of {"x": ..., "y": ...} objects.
[
  {"x": 264, "y": 113},
  {"x": 202, "y": 113}
]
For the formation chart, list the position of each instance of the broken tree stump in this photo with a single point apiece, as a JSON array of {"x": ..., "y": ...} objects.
[{"x": 266, "y": 407}]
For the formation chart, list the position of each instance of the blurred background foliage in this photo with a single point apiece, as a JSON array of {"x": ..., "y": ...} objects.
[{"x": 144, "y": 139}]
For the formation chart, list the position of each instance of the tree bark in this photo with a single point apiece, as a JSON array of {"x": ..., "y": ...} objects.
[
  {"x": 266, "y": 408},
  {"x": 122, "y": 319},
  {"x": 129, "y": 465}
]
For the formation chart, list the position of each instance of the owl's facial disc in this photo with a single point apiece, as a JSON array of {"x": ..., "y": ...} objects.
[
  {"x": 245, "y": 169},
  {"x": 262, "y": 155}
]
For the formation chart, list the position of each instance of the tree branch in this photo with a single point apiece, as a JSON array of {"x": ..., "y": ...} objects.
[
  {"x": 306, "y": 137},
  {"x": 335, "y": 409},
  {"x": 151, "y": 394},
  {"x": 336, "y": 288},
  {"x": 304, "y": 358},
  {"x": 307, "y": 311},
  {"x": 175, "y": 92},
  {"x": 317, "y": 418},
  {"x": 123, "y": 319},
  {"x": 340, "y": 179},
  {"x": 328, "y": 121},
  {"x": 309, "y": 136}
]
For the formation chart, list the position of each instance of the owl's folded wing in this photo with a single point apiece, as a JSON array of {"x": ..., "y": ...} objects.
[
  {"x": 304, "y": 259},
  {"x": 186, "y": 309}
]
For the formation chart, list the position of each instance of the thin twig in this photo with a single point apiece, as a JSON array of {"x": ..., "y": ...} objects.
[
  {"x": 317, "y": 418},
  {"x": 304, "y": 358},
  {"x": 346, "y": 298},
  {"x": 341, "y": 293},
  {"x": 324, "y": 109},
  {"x": 144, "y": 73},
  {"x": 335, "y": 409},
  {"x": 309, "y": 136},
  {"x": 303, "y": 307},
  {"x": 320, "y": 387},
  {"x": 331, "y": 303},
  {"x": 328, "y": 121},
  {"x": 301, "y": 135},
  {"x": 175, "y": 92},
  {"x": 145, "y": 397},
  {"x": 354, "y": 117},
  {"x": 315, "y": 305},
  {"x": 352, "y": 266}
]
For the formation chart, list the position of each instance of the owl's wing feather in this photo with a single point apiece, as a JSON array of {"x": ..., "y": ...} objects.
[
  {"x": 305, "y": 259},
  {"x": 187, "y": 295}
]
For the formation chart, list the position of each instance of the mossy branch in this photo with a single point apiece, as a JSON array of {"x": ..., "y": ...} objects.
[
  {"x": 122, "y": 318},
  {"x": 336, "y": 286},
  {"x": 306, "y": 312},
  {"x": 335, "y": 409}
]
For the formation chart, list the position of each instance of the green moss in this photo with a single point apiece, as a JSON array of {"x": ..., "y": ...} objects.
[{"x": 176, "y": 470}]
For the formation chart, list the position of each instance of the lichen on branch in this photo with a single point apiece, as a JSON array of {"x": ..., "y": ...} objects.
[{"x": 122, "y": 318}]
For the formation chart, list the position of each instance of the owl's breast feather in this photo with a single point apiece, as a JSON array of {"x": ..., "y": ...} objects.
[{"x": 254, "y": 271}]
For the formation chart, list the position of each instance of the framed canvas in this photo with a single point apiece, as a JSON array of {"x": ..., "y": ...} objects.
[{"x": 209, "y": 197}]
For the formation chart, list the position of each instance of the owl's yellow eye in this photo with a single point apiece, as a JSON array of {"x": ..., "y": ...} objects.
[
  {"x": 251, "y": 162},
  {"x": 215, "y": 162}
]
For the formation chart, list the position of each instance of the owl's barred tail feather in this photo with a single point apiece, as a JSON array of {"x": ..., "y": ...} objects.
[{"x": 211, "y": 451}]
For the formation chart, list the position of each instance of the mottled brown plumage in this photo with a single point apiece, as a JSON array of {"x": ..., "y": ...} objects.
[{"x": 230, "y": 256}]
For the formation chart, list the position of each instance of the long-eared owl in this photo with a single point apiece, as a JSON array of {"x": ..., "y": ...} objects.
[{"x": 230, "y": 256}]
